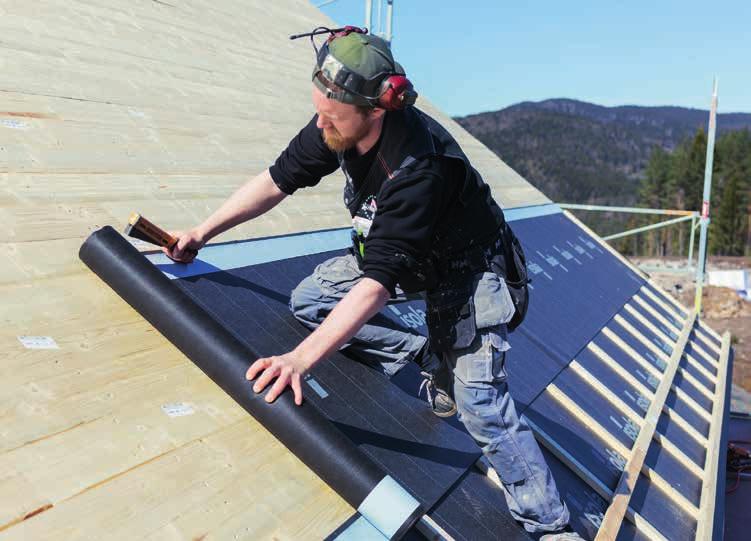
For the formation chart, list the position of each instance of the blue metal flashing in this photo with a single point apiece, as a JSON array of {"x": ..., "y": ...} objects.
[
  {"x": 361, "y": 530},
  {"x": 244, "y": 253},
  {"x": 388, "y": 506},
  {"x": 533, "y": 211},
  {"x": 233, "y": 255}
]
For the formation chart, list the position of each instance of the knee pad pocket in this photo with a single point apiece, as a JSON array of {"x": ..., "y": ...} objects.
[
  {"x": 336, "y": 276},
  {"x": 483, "y": 363}
]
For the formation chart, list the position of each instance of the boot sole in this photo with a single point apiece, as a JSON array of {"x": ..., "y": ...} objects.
[{"x": 445, "y": 414}]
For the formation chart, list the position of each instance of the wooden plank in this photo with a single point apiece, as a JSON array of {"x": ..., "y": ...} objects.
[
  {"x": 614, "y": 515},
  {"x": 592, "y": 481},
  {"x": 618, "y": 369},
  {"x": 644, "y": 321},
  {"x": 634, "y": 453},
  {"x": 655, "y": 314},
  {"x": 698, "y": 385},
  {"x": 650, "y": 367},
  {"x": 699, "y": 367},
  {"x": 631, "y": 352},
  {"x": 651, "y": 346},
  {"x": 659, "y": 352},
  {"x": 609, "y": 395},
  {"x": 686, "y": 426},
  {"x": 705, "y": 526},
  {"x": 708, "y": 343},
  {"x": 669, "y": 298},
  {"x": 214, "y": 483},
  {"x": 643, "y": 389},
  {"x": 679, "y": 455},
  {"x": 431, "y": 530},
  {"x": 703, "y": 353},
  {"x": 690, "y": 402},
  {"x": 709, "y": 330},
  {"x": 658, "y": 301},
  {"x": 587, "y": 420},
  {"x": 635, "y": 417}
]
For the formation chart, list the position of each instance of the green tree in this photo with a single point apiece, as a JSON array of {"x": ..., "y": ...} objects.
[
  {"x": 730, "y": 221},
  {"x": 654, "y": 193},
  {"x": 729, "y": 232}
]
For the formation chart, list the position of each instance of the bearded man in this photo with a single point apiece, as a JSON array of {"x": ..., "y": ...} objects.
[{"x": 424, "y": 222}]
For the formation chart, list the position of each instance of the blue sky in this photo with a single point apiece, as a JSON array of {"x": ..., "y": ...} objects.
[{"x": 484, "y": 55}]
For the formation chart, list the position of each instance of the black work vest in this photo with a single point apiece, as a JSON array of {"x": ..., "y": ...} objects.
[{"x": 410, "y": 136}]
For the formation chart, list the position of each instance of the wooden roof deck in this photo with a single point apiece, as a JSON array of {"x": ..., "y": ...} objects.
[{"x": 109, "y": 107}]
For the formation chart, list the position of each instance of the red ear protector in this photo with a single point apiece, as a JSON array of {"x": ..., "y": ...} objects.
[
  {"x": 390, "y": 90},
  {"x": 396, "y": 92}
]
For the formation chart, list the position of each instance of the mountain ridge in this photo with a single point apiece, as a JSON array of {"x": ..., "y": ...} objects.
[{"x": 581, "y": 152}]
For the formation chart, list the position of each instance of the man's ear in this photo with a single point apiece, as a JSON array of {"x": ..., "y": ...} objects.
[{"x": 376, "y": 113}]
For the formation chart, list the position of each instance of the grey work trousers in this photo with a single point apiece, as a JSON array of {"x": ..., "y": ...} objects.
[{"x": 480, "y": 388}]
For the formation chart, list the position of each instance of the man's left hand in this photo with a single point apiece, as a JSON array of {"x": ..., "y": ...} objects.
[{"x": 288, "y": 369}]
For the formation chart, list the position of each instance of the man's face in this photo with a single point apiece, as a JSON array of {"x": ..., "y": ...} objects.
[{"x": 343, "y": 124}]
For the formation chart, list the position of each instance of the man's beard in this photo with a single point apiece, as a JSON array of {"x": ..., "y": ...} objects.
[{"x": 338, "y": 143}]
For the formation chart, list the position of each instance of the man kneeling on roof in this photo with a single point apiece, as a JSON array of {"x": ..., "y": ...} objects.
[{"x": 424, "y": 222}]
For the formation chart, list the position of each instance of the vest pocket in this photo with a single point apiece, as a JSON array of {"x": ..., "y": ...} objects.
[{"x": 493, "y": 304}]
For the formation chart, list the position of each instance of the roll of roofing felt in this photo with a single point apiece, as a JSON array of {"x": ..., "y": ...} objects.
[{"x": 222, "y": 357}]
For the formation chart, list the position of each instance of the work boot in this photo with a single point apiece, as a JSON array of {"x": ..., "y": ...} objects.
[{"x": 437, "y": 385}]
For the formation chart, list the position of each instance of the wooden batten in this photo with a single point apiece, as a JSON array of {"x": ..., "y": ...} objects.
[
  {"x": 617, "y": 509},
  {"x": 705, "y": 526},
  {"x": 654, "y": 313}
]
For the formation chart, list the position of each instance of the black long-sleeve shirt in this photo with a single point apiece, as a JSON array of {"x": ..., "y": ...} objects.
[{"x": 398, "y": 216}]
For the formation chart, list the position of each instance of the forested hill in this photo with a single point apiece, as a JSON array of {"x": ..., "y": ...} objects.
[{"x": 585, "y": 153}]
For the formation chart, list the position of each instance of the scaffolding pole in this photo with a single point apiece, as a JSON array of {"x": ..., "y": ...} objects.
[
  {"x": 691, "y": 244},
  {"x": 704, "y": 220},
  {"x": 648, "y": 227},
  {"x": 389, "y": 20},
  {"x": 369, "y": 15}
]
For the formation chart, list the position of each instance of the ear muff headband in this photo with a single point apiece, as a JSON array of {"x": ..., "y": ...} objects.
[{"x": 390, "y": 90}]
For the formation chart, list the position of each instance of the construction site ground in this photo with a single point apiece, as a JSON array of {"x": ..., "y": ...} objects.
[{"x": 722, "y": 308}]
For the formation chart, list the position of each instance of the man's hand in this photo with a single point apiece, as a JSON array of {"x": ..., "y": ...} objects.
[
  {"x": 288, "y": 369},
  {"x": 187, "y": 246},
  {"x": 358, "y": 306}
]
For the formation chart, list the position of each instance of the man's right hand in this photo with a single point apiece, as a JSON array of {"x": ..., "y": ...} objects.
[{"x": 187, "y": 246}]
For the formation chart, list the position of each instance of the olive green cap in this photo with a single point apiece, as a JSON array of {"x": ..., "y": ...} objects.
[{"x": 368, "y": 57}]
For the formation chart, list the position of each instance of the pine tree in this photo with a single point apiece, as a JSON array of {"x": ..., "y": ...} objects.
[
  {"x": 677, "y": 181},
  {"x": 729, "y": 223},
  {"x": 653, "y": 193}
]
